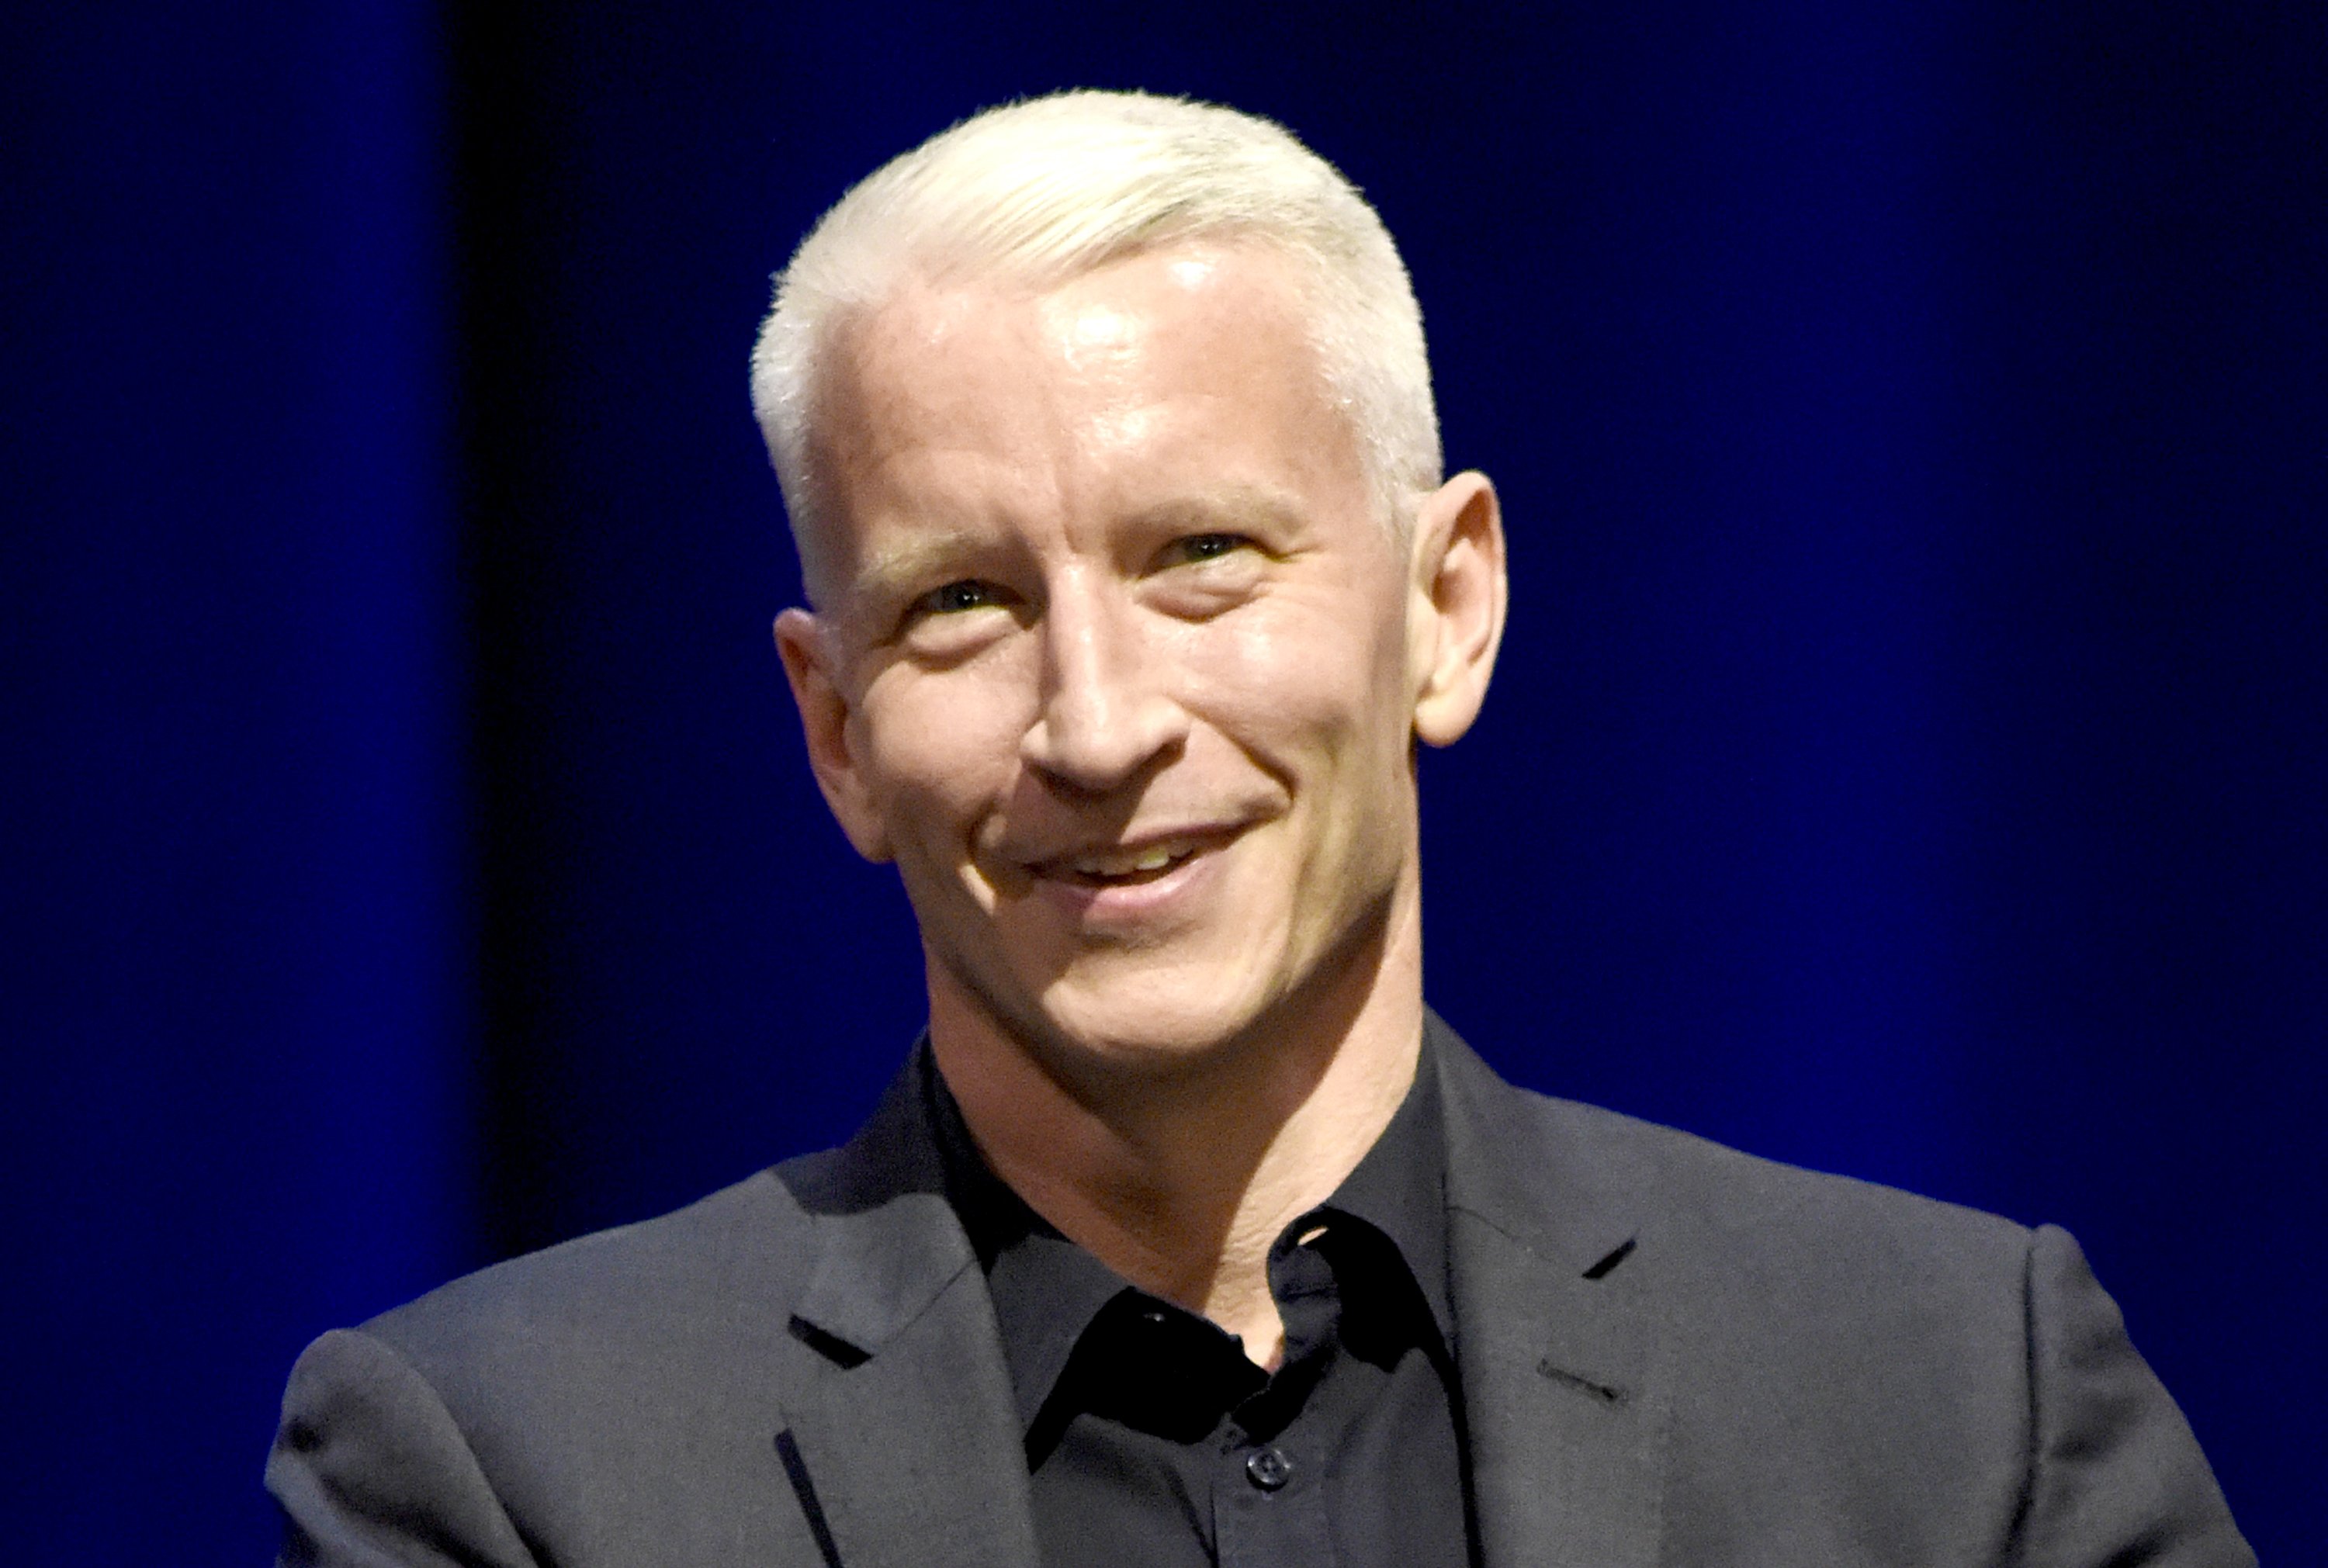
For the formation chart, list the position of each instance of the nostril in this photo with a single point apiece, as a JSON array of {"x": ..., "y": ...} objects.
[{"x": 1100, "y": 747}]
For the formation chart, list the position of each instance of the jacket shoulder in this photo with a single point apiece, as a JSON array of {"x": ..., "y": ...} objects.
[
  {"x": 724, "y": 1266},
  {"x": 611, "y": 1399},
  {"x": 1798, "y": 1276}
]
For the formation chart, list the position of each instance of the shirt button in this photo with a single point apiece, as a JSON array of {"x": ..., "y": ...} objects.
[{"x": 1268, "y": 1469}]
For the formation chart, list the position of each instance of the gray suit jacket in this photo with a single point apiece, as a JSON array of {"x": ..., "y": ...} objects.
[{"x": 1670, "y": 1353}]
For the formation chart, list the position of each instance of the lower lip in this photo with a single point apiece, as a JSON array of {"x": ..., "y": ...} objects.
[{"x": 1128, "y": 905}]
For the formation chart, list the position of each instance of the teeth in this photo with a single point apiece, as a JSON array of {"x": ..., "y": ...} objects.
[{"x": 1155, "y": 857}]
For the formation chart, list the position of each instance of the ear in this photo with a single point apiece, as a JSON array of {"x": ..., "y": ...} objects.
[
  {"x": 803, "y": 641},
  {"x": 1457, "y": 611}
]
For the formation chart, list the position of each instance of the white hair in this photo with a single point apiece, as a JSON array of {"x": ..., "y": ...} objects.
[{"x": 1045, "y": 189}]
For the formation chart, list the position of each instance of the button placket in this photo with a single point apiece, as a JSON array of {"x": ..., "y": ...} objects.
[
  {"x": 1267, "y": 1468},
  {"x": 1274, "y": 1512}
]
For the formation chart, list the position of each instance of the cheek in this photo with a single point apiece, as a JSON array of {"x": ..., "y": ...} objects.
[
  {"x": 939, "y": 747},
  {"x": 1303, "y": 675}
]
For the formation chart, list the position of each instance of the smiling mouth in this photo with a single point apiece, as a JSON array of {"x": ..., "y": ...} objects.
[{"x": 1127, "y": 868}]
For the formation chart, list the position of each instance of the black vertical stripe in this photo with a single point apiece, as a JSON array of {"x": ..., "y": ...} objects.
[{"x": 796, "y": 1471}]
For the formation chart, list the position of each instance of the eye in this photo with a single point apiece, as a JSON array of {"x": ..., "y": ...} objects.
[
  {"x": 955, "y": 597},
  {"x": 950, "y": 621},
  {"x": 1203, "y": 547}
]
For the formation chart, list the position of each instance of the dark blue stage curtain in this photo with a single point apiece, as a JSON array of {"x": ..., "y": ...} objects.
[
  {"x": 236, "y": 1018},
  {"x": 1907, "y": 760}
]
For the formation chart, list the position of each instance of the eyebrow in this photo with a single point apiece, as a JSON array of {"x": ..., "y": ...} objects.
[
  {"x": 1247, "y": 504},
  {"x": 916, "y": 556}
]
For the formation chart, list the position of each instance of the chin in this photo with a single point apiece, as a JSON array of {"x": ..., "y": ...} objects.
[{"x": 1139, "y": 1034}]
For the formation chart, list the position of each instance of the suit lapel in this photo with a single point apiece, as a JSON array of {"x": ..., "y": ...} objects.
[
  {"x": 1557, "y": 1350},
  {"x": 904, "y": 1436}
]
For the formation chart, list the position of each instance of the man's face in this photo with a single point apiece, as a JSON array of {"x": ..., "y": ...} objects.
[{"x": 1113, "y": 653}]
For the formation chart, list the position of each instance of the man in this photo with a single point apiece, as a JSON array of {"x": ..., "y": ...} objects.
[{"x": 1188, "y": 1236}]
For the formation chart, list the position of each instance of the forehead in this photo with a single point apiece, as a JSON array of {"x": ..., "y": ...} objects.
[{"x": 1151, "y": 369}]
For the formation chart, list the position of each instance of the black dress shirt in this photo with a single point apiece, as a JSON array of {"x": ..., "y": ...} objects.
[{"x": 1151, "y": 1438}]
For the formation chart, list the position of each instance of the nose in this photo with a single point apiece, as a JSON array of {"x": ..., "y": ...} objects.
[{"x": 1107, "y": 715}]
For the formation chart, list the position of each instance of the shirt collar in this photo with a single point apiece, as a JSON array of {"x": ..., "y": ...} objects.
[
  {"x": 1046, "y": 1289},
  {"x": 1400, "y": 1188}
]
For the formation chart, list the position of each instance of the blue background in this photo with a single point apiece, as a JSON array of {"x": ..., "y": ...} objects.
[{"x": 1908, "y": 758}]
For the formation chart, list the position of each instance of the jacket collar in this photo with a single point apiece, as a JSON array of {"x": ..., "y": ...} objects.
[
  {"x": 1565, "y": 1413},
  {"x": 904, "y": 1449}
]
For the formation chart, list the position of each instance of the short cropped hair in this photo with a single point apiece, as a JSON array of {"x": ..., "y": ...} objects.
[{"x": 1043, "y": 190}]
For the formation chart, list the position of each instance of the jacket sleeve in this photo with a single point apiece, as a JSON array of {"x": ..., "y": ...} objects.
[
  {"x": 371, "y": 1470},
  {"x": 2115, "y": 1477}
]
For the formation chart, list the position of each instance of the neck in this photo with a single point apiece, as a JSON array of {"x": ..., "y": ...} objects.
[{"x": 1181, "y": 1177}]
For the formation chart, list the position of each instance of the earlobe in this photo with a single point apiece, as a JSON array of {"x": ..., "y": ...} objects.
[
  {"x": 1458, "y": 603},
  {"x": 802, "y": 642}
]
